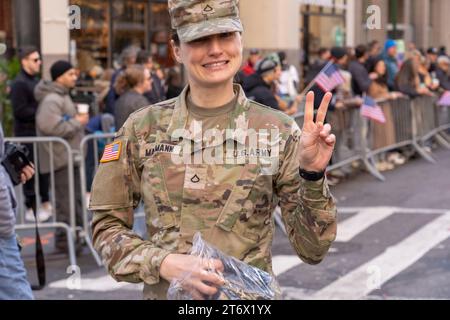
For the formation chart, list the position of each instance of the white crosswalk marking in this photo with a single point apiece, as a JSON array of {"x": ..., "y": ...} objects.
[
  {"x": 355, "y": 285},
  {"x": 102, "y": 284},
  {"x": 347, "y": 230},
  {"x": 351, "y": 227}
]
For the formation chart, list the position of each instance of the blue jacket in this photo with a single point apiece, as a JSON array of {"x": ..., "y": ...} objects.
[{"x": 392, "y": 70}]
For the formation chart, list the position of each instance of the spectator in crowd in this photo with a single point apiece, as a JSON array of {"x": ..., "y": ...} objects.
[
  {"x": 13, "y": 276},
  {"x": 156, "y": 93},
  {"x": 24, "y": 109},
  {"x": 384, "y": 133},
  {"x": 342, "y": 99},
  {"x": 260, "y": 86},
  {"x": 408, "y": 80},
  {"x": 128, "y": 58},
  {"x": 374, "y": 49},
  {"x": 425, "y": 77},
  {"x": 360, "y": 77},
  {"x": 342, "y": 95},
  {"x": 317, "y": 66},
  {"x": 249, "y": 67},
  {"x": 57, "y": 116},
  {"x": 443, "y": 72},
  {"x": 390, "y": 58},
  {"x": 378, "y": 88},
  {"x": 289, "y": 80},
  {"x": 432, "y": 56},
  {"x": 174, "y": 83},
  {"x": 131, "y": 86},
  {"x": 443, "y": 51}
]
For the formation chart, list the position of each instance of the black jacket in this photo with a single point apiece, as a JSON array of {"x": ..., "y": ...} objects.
[
  {"x": 444, "y": 79},
  {"x": 24, "y": 104},
  {"x": 408, "y": 90},
  {"x": 257, "y": 90},
  {"x": 360, "y": 78}
]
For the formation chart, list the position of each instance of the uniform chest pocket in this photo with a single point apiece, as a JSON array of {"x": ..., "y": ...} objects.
[
  {"x": 162, "y": 189},
  {"x": 248, "y": 207}
]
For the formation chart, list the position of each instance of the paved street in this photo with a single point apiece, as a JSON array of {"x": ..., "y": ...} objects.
[{"x": 393, "y": 243}]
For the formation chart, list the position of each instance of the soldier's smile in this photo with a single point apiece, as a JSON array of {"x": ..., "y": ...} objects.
[{"x": 217, "y": 65}]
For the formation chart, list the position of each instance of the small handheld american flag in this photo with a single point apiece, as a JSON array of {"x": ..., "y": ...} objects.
[
  {"x": 371, "y": 110},
  {"x": 329, "y": 78}
]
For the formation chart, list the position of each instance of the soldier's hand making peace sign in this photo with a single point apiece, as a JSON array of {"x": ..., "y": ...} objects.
[{"x": 316, "y": 141}]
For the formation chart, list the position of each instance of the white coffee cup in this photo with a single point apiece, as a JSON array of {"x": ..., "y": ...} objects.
[
  {"x": 436, "y": 82},
  {"x": 83, "y": 108}
]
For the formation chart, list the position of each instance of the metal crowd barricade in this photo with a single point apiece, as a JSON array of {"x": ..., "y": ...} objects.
[
  {"x": 348, "y": 126},
  {"x": 93, "y": 140},
  {"x": 396, "y": 133},
  {"x": 424, "y": 124},
  {"x": 54, "y": 223},
  {"x": 443, "y": 125}
]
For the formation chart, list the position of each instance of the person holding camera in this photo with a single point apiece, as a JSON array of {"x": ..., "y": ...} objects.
[
  {"x": 13, "y": 276},
  {"x": 57, "y": 116}
]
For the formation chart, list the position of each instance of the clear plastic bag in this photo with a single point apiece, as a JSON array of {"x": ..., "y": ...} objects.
[{"x": 242, "y": 281}]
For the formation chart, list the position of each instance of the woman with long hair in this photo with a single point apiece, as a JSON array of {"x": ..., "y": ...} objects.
[{"x": 131, "y": 85}]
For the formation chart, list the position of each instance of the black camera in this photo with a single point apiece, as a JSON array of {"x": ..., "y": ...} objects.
[{"x": 16, "y": 158}]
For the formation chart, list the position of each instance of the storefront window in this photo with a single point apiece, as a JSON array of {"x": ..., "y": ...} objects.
[
  {"x": 91, "y": 41},
  {"x": 109, "y": 26},
  {"x": 129, "y": 22},
  {"x": 322, "y": 26},
  {"x": 160, "y": 34}
]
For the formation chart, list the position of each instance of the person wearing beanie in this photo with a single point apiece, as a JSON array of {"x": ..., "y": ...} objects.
[
  {"x": 258, "y": 86},
  {"x": 59, "y": 68},
  {"x": 390, "y": 58},
  {"x": 57, "y": 116}
]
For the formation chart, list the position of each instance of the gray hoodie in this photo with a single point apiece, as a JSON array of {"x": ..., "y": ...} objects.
[
  {"x": 7, "y": 198},
  {"x": 56, "y": 118}
]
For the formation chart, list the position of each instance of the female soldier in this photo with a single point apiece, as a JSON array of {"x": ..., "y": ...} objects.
[{"x": 230, "y": 203}]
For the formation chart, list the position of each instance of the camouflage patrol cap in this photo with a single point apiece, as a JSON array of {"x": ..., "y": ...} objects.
[{"x": 194, "y": 19}]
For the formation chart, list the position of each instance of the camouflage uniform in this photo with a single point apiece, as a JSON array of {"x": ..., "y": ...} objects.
[{"x": 231, "y": 206}]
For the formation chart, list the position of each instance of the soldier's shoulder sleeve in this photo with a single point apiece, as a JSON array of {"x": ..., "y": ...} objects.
[
  {"x": 116, "y": 182},
  {"x": 308, "y": 208}
]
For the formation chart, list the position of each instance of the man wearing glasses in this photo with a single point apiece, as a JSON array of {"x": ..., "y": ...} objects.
[{"x": 25, "y": 106}]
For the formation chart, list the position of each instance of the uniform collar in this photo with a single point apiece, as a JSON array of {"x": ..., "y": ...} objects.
[{"x": 238, "y": 120}]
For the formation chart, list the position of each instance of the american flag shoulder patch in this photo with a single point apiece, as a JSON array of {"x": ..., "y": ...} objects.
[{"x": 112, "y": 152}]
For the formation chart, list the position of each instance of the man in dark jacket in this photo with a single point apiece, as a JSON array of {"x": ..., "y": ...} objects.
[
  {"x": 360, "y": 77},
  {"x": 258, "y": 86},
  {"x": 25, "y": 106}
]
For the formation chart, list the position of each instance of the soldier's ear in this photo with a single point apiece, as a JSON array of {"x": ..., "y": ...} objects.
[{"x": 176, "y": 51}]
